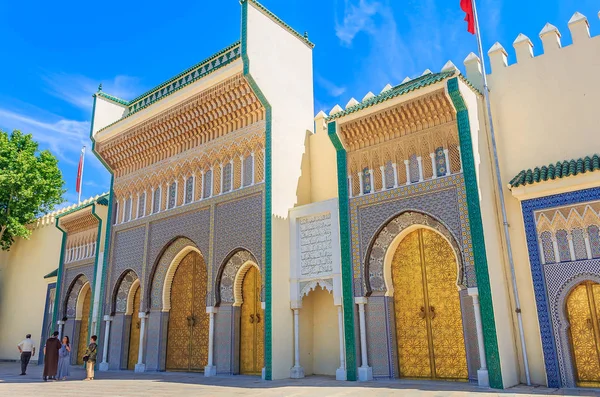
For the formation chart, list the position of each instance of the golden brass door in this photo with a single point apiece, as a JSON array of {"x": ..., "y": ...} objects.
[
  {"x": 429, "y": 329},
  {"x": 252, "y": 325},
  {"x": 187, "y": 343},
  {"x": 583, "y": 311},
  {"x": 83, "y": 330},
  {"x": 134, "y": 332}
]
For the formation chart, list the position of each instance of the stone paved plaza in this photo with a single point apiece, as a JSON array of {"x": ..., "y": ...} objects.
[{"x": 179, "y": 384}]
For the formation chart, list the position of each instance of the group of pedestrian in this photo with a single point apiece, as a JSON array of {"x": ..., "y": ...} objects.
[{"x": 57, "y": 357}]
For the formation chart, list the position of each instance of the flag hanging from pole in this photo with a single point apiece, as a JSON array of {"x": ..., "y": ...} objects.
[
  {"x": 80, "y": 173},
  {"x": 467, "y": 7}
]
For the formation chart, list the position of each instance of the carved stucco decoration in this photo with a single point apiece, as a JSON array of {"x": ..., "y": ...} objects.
[
  {"x": 316, "y": 253},
  {"x": 387, "y": 234}
]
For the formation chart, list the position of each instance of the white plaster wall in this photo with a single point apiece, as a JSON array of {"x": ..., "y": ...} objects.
[
  {"x": 23, "y": 288},
  {"x": 544, "y": 110},
  {"x": 106, "y": 112},
  {"x": 323, "y": 164},
  {"x": 497, "y": 268},
  {"x": 281, "y": 65}
]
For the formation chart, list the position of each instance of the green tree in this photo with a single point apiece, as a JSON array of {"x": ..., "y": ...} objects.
[{"x": 31, "y": 185}]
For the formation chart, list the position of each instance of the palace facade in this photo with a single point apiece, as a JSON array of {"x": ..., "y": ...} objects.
[{"x": 242, "y": 235}]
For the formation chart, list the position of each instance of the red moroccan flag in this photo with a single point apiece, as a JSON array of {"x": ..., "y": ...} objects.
[
  {"x": 467, "y": 7},
  {"x": 80, "y": 171}
]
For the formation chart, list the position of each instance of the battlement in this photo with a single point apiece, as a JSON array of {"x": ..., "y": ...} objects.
[{"x": 552, "y": 47}]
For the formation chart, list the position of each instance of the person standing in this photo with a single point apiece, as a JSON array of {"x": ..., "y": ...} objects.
[
  {"x": 51, "y": 356},
  {"x": 90, "y": 358},
  {"x": 64, "y": 359},
  {"x": 27, "y": 349}
]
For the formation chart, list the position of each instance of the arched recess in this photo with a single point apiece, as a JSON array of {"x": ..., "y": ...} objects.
[
  {"x": 228, "y": 281},
  {"x": 312, "y": 285},
  {"x": 71, "y": 298},
  {"x": 558, "y": 312},
  {"x": 130, "y": 297},
  {"x": 165, "y": 262},
  {"x": 121, "y": 292},
  {"x": 166, "y": 294},
  {"x": 79, "y": 312},
  {"x": 378, "y": 274}
]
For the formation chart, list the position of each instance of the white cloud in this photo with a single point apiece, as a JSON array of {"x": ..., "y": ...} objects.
[
  {"x": 78, "y": 90},
  {"x": 357, "y": 17},
  {"x": 332, "y": 89}
]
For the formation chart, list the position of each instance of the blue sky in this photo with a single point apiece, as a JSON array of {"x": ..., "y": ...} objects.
[{"x": 54, "y": 54}]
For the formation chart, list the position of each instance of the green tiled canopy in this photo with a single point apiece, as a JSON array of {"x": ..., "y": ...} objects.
[{"x": 561, "y": 169}]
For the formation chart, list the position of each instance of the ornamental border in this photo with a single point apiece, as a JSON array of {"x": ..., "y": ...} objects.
[{"x": 528, "y": 207}]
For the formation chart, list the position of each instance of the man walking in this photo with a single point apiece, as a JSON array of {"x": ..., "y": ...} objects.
[
  {"x": 51, "y": 349},
  {"x": 27, "y": 349}
]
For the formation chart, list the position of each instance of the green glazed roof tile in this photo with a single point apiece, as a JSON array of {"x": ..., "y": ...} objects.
[
  {"x": 53, "y": 273},
  {"x": 412, "y": 85},
  {"x": 561, "y": 169}
]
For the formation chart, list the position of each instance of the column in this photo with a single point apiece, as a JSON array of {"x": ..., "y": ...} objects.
[
  {"x": 420, "y": 163},
  {"x": 61, "y": 325},
  {"x": 104, "y": 363},
  {"x": 571, "y": 246},
  {"x": 152, "y": 201},
  {"x": 459, "y": 158},
  {"x": 588, "y": 247},
  {"x": 364, "y": 371},
  {"x": 297, "y": 371},
  {"x": 252, "y": 168},
  {"x": 140, "y": 366},
  {"x": 360, "y": 181},
  {"x": 448, "y": 165},
  {"x": 407, "y": 168},
  {"x": 383, "y": 181},
  {"x": 482, "y": 372},
  {"x": 137, "y": 207},
  {"x": 433, "y": 167},
  {"x": 212, "y": 184},
  {"x": 211, "y": 369},
  {"x": 340, "y": 373},
  {"x": 395, "y": 167},
  {"x": 555, "y": 246},
  {"x": 193, "y": 187},
  {"x": 542, "y": 255}
]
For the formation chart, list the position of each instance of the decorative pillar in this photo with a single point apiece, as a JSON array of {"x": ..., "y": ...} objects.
[
  {"x": 193, "y": 187},
  {"x": 571, "y": 246},
  {"x": 383, "y": 181},
  {"x": 407, "y": 167},
  {"x": 140, "y": 366},
  {"x": 420, "y": 163},
  {"x": 448, "y": 165},
  {"x": 395, "y": 167},
  {"x": 212, "y": 184},
  {"x": 460, "y": 159},
  {"x": 433, "y": 167},
  {"x": 588, "y": 247},
  {"x": 360, "y": 181},
  {"x": 211, "y": 369},
  {"x": 152, "y": 201},
  {"x": 297, "y": 371},
  {"x": 365, "y": 372},
  {"x": 104, "y": 363},
  {"x": 482, "y": 373},
  {"x": 252, "y": 169},
  {"x": 340, "y": 373},
  {"x": 555, "y": 246},
  {"x": 137, "y": 207}
]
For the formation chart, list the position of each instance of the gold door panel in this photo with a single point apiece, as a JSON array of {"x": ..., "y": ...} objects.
[
  {"x": 252, "y": 325},
  {"x": 83, "y": 330},
  {"x": 582, "y": 312},
  {"x": 429, "y": 327},
  {"x": 187, "y": 338},
  {"x": 134, "y": 333}
]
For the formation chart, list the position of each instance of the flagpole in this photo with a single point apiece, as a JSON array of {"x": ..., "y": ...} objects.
[
  {"x": 501, "y": 194},
  {"x": 81, "y": 176}
]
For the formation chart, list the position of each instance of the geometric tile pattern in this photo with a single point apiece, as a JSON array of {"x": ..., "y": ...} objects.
[
  {"x": 579, "y": 244},
  {"x": 548, "y": 247},
  {"x": 440, "y": 161},
  {"x": 226, "y": 284},
  {"x": 441, "y": 199},
  {"x": 554, "y": 372},
  {"x": 593, "y": 233},
  {"x": 563, "y": 245},
  {"x": 73, "y": 293},
  {"x": 123, "y": 291},
  {"x": 80, "y": 275}
]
